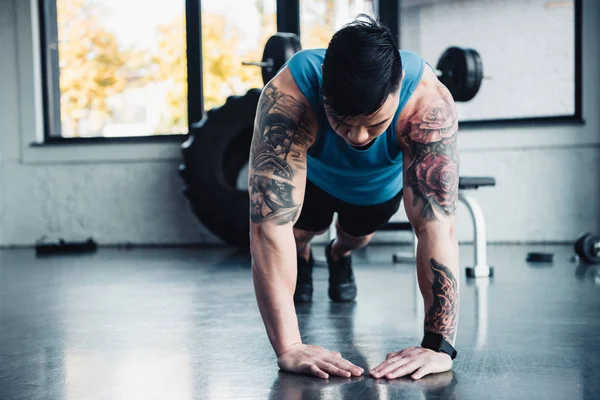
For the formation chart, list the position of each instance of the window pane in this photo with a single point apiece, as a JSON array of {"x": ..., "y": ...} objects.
[
  {"x": 122, "y": 72},
  {"x": 320, "y": 19},
  {"x": 233, "y": 31},
  {"x": 527, "y": 49}
]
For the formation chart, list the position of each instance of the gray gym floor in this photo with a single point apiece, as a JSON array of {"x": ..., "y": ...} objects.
[{"x": 183, "y": 324}]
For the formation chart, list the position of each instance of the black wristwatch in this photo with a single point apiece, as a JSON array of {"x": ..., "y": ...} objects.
[{"x": 436, "y": 342}]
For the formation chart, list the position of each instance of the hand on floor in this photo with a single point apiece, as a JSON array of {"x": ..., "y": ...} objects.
[
  {"x": 414, "y": 360},
  {"x": 317, "y": 361}
]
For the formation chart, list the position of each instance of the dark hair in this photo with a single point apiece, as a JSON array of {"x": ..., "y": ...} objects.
[{"x": 362, "y": 67}]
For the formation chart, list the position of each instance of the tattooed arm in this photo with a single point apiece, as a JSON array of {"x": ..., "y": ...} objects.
[
  {"x": 430, "y": 195},
  {"x": 284, "y": 129}
]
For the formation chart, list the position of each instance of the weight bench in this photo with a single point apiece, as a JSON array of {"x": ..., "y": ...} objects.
[{"x": 480, "y": 268}]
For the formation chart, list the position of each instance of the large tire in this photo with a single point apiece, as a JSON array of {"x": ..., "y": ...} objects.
[{"x": 213, "y": 156}]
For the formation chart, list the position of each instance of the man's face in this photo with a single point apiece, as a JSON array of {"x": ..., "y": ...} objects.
[{"x": 361, "y": 131}]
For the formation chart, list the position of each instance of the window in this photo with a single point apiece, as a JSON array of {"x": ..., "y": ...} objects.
[
  {"x": 119, "y": 68},
  {"x": 115, "y": 68},
  {"x": 320, "y": 19},
  {"x": 528, "y": 49},
  {"x": 233, "y": 31}
]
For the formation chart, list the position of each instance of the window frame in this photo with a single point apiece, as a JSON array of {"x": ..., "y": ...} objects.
[
  {"x": 286, "y": 22},
  {"x": 568, "y": 119},
  {"x": 48, "y": 34}
]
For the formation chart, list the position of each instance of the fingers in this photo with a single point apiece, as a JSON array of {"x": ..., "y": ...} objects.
[
  {"x": 346, "y": 365},
  {"x": 389, "y": 365},
  {"x": 332, "y": 369},
  {"x": 405, "y": 370},
  {"x": 316, "y": 371},
  {"x": 421, "y": 372},
  {"x": 395, "y": 360},
  {"x": 390, "y": 370},
  {"x": 314, "y": 360}
]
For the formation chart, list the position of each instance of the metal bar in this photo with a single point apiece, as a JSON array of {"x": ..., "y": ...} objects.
[
  {"x": 193, "y": 25},
  {"x": 522, "y": 122},
  {"x": 50, "y": 68},
  {"x": 389, "y": 13},
  {"x": 479, "y": 229},
  {"x": 288, "y": 16},
  {"x": 474, "y": 182},
  {"x": 578, "y": 59},
  {"x": 61, "y": 141},
  {"x": 262, "y": 64}
]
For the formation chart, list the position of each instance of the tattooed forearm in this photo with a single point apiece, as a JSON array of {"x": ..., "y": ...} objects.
[
  {"x": 442, "y": 315},
  {"x": 280, "y": 133},
  {"x": 433, "y": 172}
]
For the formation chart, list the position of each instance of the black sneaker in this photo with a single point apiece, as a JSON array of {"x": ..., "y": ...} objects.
[
  {"x": 304, "y": 286},
  {"x": 342, "y": 287}
]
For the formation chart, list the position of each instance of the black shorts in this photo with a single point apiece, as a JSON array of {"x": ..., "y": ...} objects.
[{"x": 319, "y": 206}]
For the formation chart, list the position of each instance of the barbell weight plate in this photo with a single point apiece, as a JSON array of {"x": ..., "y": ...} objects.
[
  {"x": 587, "y": 248},
  {"x": 578, "y": 246},
  {"x": 461, "y": 72},
  {"x": 278, "y": 50},
  {"x": 451, "y": 65},
  {"x": 474, "y": 73},
  {"x": 590, "y": 249}
]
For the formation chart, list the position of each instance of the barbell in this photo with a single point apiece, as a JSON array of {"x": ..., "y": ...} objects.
[
  {"x": 278, "y": 50},
  {"x": 459, "y": 69}
]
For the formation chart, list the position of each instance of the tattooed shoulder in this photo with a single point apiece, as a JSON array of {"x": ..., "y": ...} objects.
[
  {"x": 283, "y": 131},
  {"x": 431, "y": 143}
]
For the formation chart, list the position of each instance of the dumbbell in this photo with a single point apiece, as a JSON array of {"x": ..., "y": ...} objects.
[{"x": 587, "y": 247}]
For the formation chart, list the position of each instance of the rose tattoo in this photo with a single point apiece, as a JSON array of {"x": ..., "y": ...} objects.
[
  {"x": 433, "y": 172},
  {"x": 437, "y": 179},
  {"x": 434, "y": 123}
]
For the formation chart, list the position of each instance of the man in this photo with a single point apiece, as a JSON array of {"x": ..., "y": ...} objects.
[{"x": 351, "y": 129}]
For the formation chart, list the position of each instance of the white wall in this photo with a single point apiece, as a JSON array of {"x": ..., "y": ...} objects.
[
  {"x": 548, "y": 187},
  {"x": 526, "y": 47}
]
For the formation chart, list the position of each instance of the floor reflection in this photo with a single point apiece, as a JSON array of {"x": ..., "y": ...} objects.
[{"x": 299, "y": 387}]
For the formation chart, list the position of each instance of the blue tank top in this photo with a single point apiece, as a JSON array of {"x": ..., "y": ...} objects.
[{"x": 360, "y": 177}]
